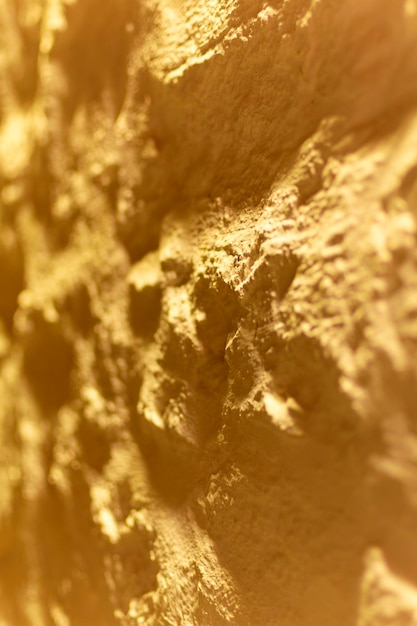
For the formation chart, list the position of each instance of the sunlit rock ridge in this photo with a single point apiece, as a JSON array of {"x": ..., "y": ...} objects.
[{"x": 208, "y": 313}]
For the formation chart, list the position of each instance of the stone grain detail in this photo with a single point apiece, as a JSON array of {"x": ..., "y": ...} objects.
[{"x": 208, "y": 313}]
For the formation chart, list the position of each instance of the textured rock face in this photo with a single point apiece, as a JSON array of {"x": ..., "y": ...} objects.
[{"x": 208, "y": 301}]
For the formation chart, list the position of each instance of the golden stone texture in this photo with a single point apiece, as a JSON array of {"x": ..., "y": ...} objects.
[{"x": 208, "y": 312}]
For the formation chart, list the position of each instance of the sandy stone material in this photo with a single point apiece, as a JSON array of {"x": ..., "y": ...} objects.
[{"x": 208, "y": 313}]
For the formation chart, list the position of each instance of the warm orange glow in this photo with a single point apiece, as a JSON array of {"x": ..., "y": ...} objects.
[{"x": 208, "y": 313}]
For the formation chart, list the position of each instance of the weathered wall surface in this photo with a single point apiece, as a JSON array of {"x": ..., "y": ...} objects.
[{"x": 208, "y": 300}]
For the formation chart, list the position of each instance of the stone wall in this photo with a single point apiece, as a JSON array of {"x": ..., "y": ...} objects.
[{"x": 208, "y": 301}]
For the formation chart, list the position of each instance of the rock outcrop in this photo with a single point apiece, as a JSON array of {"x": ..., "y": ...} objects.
[{"x": 208, "y": 301}]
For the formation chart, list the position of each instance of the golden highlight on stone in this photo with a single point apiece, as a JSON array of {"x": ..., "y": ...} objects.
[{"x": 208, "y": 312}]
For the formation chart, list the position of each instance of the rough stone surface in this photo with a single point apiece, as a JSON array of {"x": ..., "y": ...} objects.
[{"x": 208, "y": 301}]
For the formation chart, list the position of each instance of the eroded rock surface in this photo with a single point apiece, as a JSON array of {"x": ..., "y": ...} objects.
[{"x": 208, "y": 301}]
